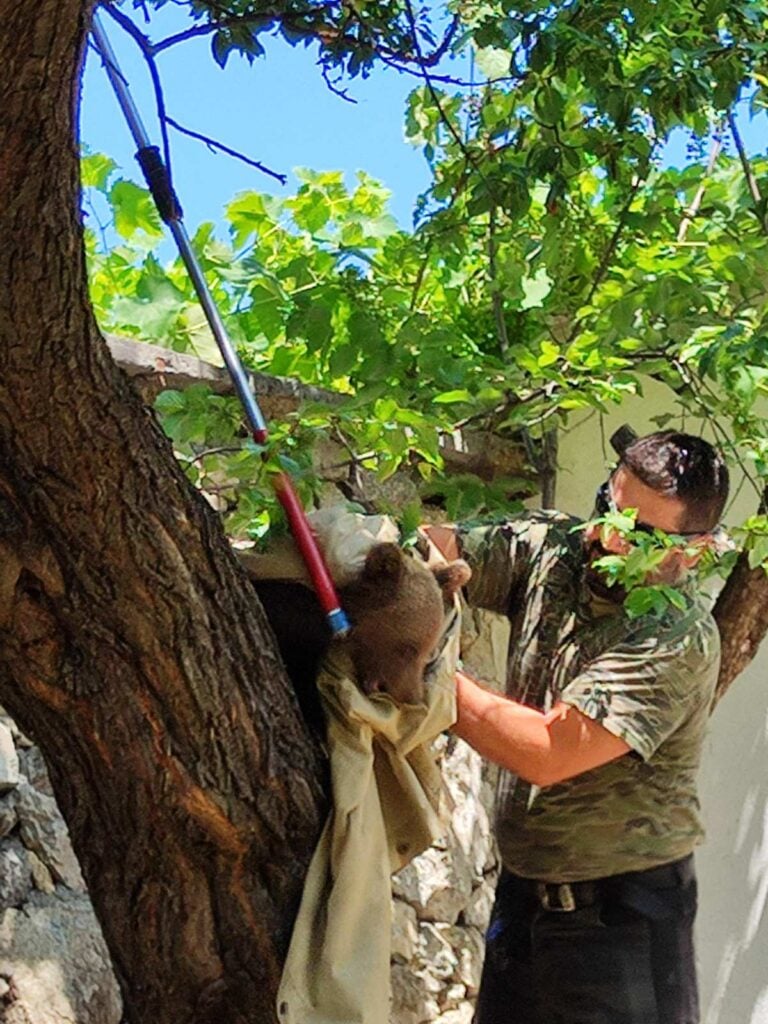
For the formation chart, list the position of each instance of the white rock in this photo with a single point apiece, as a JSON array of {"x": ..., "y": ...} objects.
[
  {"x": 411, "y": 1002},
  {"x": 54, "y": 958},
  {"x": 36, "y": 771},
  {"x": 15, "y": 874},
  {"x": 470, "y": 949},
  {"x": 41, "y": 876},
  {"x": 405, "y": 935},
  {"x": 436, "y": 951},
  {"x": 9, "y": 760},
  {"x": 438, "y": 884},
  {"x": 454, "y": 995},
  {"x": 8, "y": 815},
  {"x": 478, "y": 911},
  {"x": 462, "y": 1014},
  {"x": 43, "y": 831}
]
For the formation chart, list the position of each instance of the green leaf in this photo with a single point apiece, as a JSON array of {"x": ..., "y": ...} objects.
[
  {"x": 133, "y": 210},
  {"x": 342, "y": 360},
  {"x": 549, "y": 104},
  {"x": 170, "y": 401},
  {"x": 95, "y": 170},
  {"x": 267, "y": 312},
  {"x": 536, "y": 289},
  {"x": 447, "y": 397},
  {"x": 757, "y": 553},
  {"x": 492, "y": 61},
  {"x": 313, "y": 323}
]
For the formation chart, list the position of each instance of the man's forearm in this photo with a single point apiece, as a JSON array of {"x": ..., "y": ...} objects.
[
  {"x": 541, "y": 748},
  {"x": 501, "y": 730}
]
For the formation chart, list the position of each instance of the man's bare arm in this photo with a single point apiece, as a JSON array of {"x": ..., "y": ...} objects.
[{"x": 541, "y": 748}]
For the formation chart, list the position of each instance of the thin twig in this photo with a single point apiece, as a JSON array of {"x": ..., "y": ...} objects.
[
  {"x": 223, "y": 450},
  {"x": 751, "y": 180},
  {"x": 214, "y": 145},
  {"x": 463, "y": 148},
  {"x": 322, "y": 32},
  {"x": 341, "y": 93},
  {"x": 461, "y": 83},
  {"x": 610, "y": 249},
  {"x": 146, "y": 48},
  {"x": 497, "y": 298},
  {"x": 605, "y": 262},
  {"x": 198, "y": 30},
  {"x": 693, "y": 209}
]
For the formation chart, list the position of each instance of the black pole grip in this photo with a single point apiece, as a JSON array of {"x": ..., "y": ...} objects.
[{"x": 159, "y": 183}]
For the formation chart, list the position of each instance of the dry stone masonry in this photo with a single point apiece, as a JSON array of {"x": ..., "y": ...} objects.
[{"x": 54, "y": 966}]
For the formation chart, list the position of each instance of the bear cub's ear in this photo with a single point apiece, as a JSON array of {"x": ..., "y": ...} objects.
[
  {"x": 384, "y": 563},
  {"x": 452, "y": 577}
]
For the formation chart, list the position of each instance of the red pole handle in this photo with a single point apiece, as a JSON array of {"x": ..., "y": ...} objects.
[{"x": 307, "y": 545}]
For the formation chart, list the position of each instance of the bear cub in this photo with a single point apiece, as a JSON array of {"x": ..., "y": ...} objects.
[{"x": 396, "y": 607}]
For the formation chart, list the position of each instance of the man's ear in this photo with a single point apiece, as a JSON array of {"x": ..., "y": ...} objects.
[
  {"x": 452, "y": 577},
  {"x": 384, "y": 563}
]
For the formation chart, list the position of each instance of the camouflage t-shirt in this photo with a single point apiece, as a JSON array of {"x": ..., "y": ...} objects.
[{"x": 648, "y": 680}]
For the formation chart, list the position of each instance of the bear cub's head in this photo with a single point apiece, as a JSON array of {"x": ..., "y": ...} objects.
[{"x": 397, "y": 608}]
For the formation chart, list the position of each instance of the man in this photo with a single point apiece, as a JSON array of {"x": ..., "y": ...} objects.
[{"x": 599, "y": 741}]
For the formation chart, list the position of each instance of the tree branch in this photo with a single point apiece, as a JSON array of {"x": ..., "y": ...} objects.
[
  {"x": 754, "y": 188},
  {"x": 146, "y": 48},
  {"x": 214, "y": 145},
  {"x": 497, "y": 298},
  {"x": 693, "y": 209},
  {"x": 464, "y": 149}
]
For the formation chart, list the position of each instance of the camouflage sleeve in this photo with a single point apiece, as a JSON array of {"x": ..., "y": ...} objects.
[
  {"x": 642, "y": 692},
  {"x": 498, "y": 556}
]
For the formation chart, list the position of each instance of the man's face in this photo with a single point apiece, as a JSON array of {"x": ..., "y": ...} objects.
[{"x": 661, "y": 511}]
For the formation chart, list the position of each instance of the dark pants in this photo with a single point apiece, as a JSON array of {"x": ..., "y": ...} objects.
[{"x": 626, "y": 957}]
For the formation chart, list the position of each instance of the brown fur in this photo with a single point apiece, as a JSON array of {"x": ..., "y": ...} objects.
[{"x": 397, "y": 608}]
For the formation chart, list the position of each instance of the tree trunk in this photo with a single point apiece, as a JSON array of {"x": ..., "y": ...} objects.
[
  {"x": 742, "y": 616},
  {"x": 131, "y": 646}
]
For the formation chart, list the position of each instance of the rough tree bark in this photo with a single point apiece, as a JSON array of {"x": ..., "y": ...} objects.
[
  {"x": 131, "y": 647},
  {"x": 741, "y": 613}
]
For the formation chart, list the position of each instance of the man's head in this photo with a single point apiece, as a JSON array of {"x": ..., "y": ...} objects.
[
  {"x": 679, "y": 484},
  {"x": 680, "y": 467}
]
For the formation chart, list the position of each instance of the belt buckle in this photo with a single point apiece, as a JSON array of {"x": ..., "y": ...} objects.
[{"x": 565, "y": 901}]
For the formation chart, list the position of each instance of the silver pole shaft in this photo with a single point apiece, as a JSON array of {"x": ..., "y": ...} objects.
[{"x": 237, "y": 372}]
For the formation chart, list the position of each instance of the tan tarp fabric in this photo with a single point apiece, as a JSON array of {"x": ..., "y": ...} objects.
[{"x": 389, "y": 804}]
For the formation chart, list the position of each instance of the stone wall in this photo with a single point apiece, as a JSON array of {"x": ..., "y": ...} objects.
[
  {"x": 442, "y": 900},
  {"x": 54, "y": 966}
]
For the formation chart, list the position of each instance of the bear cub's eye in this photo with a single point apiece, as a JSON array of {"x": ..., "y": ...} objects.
[{"x": 407, "y": 650}]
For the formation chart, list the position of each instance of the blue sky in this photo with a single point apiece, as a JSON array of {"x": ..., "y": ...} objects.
[{"x": 277, "y": 111}]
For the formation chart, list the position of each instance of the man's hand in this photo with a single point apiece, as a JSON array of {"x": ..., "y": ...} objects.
[{"x": 541, "y": 748}]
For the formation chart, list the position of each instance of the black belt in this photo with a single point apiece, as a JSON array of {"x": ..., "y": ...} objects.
[{"x": 650, "y": 892}]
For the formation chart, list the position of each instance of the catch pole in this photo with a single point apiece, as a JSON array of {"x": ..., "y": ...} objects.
[{"x": 159, "y": 184}]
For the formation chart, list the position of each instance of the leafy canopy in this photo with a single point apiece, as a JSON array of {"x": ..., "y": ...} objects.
[{"x": 555, "y": 263}]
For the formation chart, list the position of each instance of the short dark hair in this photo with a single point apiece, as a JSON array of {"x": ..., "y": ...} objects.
[{"x": 682, "y": 466}]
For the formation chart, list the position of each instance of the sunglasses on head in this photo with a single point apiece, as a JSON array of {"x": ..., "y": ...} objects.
[{"x": 604, "y": 504}]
